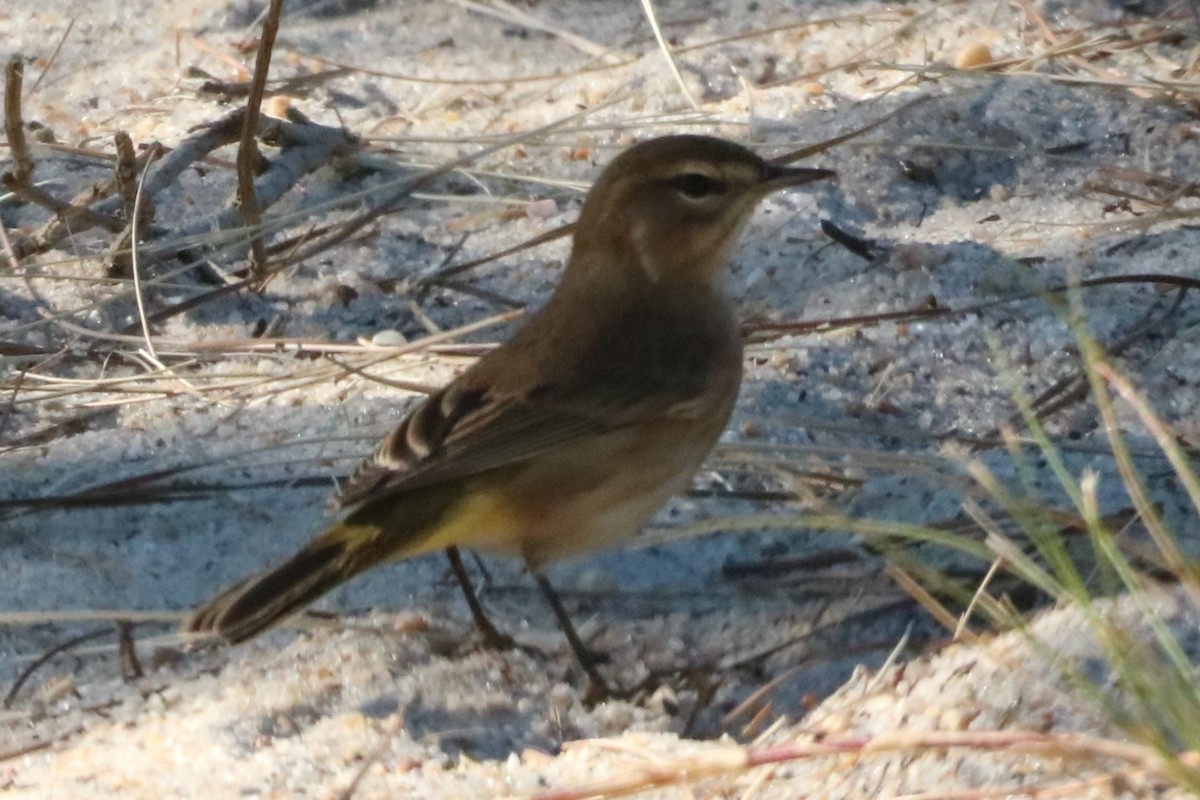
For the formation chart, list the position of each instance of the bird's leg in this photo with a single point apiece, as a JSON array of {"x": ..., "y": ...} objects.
[
  {"x": 492, "y": 637},
  {"x": 588, "y": 658}
]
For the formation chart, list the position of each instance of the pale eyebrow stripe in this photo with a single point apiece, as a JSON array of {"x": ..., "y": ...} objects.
[{"x": 698, "y": 168}]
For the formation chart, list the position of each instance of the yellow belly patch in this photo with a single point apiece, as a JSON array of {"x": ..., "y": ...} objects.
[{"x": 485, "y": 520}]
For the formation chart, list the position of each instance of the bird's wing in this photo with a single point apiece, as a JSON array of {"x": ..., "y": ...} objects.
[{"x": 465, "y": 430}]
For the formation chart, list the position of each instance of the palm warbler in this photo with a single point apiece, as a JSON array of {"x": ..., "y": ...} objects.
[{"x": 571, "y": 434}]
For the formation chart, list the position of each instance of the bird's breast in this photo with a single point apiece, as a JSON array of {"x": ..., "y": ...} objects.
[{"x": 601, "y": 491}]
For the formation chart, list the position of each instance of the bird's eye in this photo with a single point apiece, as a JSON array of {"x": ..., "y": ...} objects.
[{"x": 695, "y": 186}]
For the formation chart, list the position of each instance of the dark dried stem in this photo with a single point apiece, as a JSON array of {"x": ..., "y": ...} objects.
[
  {"x": 45, "y": 657},
  {"x": 125, "y": 172},
  {"x": 248, "y": 157},
  {"x": 18, "y": 181},
  {"x": 14, "y": 125}
]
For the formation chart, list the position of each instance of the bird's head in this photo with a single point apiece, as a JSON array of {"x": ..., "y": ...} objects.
[{"x": 670, "y": 209}]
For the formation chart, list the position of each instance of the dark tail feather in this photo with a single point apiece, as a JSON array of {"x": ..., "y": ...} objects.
[
  {"x": 372, "y": 534},
  {"x": 257, "y": 603}
]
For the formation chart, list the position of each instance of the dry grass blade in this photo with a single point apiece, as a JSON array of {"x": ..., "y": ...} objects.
[
  {"x": 652, "y": 18},
  {"x": 1113, "y": 756},
  {"x": 510, "y": 13},
  {"x": 52, "y": 59},
  {"x": 397, "y": 191},
  {"x": 820, "y": 147}
]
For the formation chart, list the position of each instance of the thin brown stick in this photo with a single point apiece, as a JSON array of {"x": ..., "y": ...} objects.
[
  {"x": 305, "y": 147},
  {"x": 125, "y": 171},
  {"x": 402, "y": 189},
  {"x": 193, "y": 302},
  {"x": 89, "y": 208},
  {"x": 53, "y": 58},
  {"x": 18, "y": 181},
  {"x": 292, "y": 87},
  {"x": 45, "y": 657},
  {"x": 7, "y": 246},
  {"x": 764, "y": 331},
  {"x": 14, "y": 125},
  {"x": 373, "y": 758},
  {"x": 248, "y": 156},
  {"x": 125, "y": 181},
  {"x": 34, "y": 747},
  {"x": 131, "y": 665},
  {"x": 307, "y": 144},
  {"x": 820, "y": 147},
  {"x": 440, "y": 274}
]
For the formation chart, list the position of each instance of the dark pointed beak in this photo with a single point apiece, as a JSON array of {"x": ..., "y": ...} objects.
[{"x": 778, "y": 176}]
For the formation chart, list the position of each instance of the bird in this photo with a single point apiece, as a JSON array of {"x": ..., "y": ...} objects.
[{"x": 570, "y": 435}]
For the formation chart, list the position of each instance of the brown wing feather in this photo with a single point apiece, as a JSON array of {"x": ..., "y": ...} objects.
[
  {"x": 493, "y": 416},
  {"x": 457, "y": 433},
  {"x": 415, "y": 441}
]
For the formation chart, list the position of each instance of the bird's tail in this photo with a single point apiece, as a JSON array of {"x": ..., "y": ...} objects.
[
  {"x": 258, "y": 602},
  {"x": 369, "y": 536}
]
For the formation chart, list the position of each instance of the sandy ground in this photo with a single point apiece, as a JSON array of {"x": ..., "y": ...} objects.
[{"x": 1071, "y": 162}]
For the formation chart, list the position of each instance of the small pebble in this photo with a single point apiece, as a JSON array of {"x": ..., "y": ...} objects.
[
  {"x": 972, "y": 56},
  {"x": 389, "y": 338},
  {"x": 277, "y": 106},
  {"x": 541, "y": 209}
]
